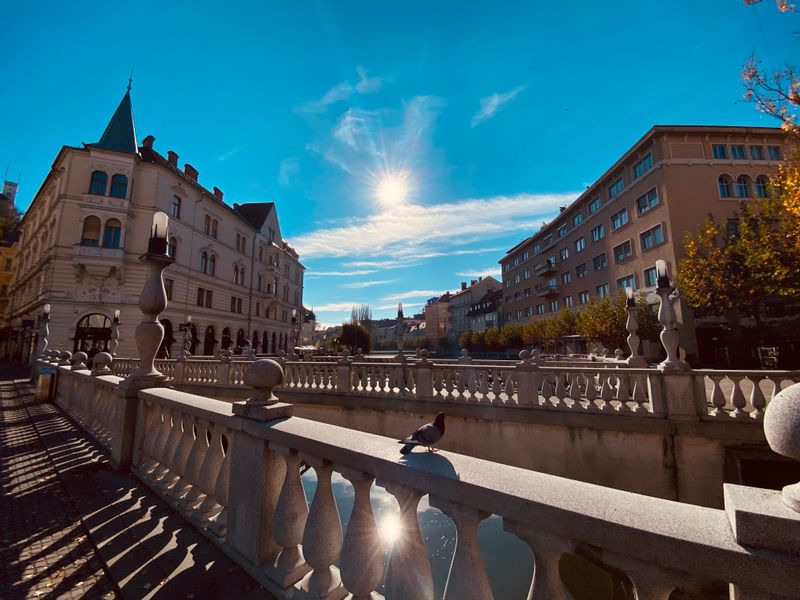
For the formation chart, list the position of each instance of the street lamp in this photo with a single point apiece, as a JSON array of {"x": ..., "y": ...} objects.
[
  {"x": 44, "y": 330},
  {"x": 634, "y": 360},
  {"x": 295, "y": 329},
  {"x": 666, "y": 316},
  {"x": 114, "y": 341}
]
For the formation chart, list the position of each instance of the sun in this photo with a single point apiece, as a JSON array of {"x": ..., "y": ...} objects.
[{"x": 393, "y": 188}]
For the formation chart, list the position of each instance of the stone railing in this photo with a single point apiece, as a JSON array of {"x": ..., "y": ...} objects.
[
  {"x": 738, "y": 394},
  {"x": 234, "y": 471}
]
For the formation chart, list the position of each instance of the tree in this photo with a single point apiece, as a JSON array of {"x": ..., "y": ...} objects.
[
  {"x": 354, "y": 336},
  {"x": 736, "y": 268},
  {"x": 361, "y": 314},
  {"x": 604, "y": 320}
]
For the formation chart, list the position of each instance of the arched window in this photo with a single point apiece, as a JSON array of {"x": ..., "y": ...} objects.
[
  {"x": 214, "y": 225},
  {"x": 256, "y": 341},
  {"x": 203, "y": 262},
  {"x": 119, "y": 186},
  {"x": 90, "y": 236},
  {"x": 99, "y": 183},
  {"x": 761, "y": 186},
  {"x": 241, "y": 276},
  {"x": 743, "y": 186},
  {"x": 209, "y": 341},
  {"x": 172, "y": 247},
  {"x": 724, "y": 186},
  {"x": 176, "y": 207},
  {"x": 212, "y": 265},
  {"x": 226, "y": 338},
  {"x": 240, "y": 338},
  {"x": 112, "y": 234}
]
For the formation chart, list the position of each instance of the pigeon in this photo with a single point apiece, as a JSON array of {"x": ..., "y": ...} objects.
[{"x": 427, "y": 436}]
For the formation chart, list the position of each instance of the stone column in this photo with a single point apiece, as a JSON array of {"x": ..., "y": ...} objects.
[
  {"x": 424, "y": 376},
  {"x": 527, "y": 380},
  {"x": 344, "y": 374}
]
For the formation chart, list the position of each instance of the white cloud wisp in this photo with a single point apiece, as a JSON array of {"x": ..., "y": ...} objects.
[{"x": 492, "y": 104}]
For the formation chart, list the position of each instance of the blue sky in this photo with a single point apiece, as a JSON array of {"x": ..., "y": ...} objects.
[{"x": 489, "y": 115}]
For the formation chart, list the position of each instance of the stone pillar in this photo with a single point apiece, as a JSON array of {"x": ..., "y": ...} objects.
[
  {"x": 344, "y": 374},
  {"x": 424, "y": 376},
  {"x": 527, "y": 380}
]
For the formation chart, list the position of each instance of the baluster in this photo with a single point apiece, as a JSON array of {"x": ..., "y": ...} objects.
[
  {"x": 547, "y": 388},
  {"x": 575, "y": 392},
  {"x": 560, "y": 391},
  {"x": 448, "y": 384},
  {"x": 737, "y": 399},
  {"x": 219, "y": 523},
  {"x": 289, "y": 521},
  {"x": 623, "y": 393},
  {"x": 717, "y": 399},
  {"x": 153, "y": 427},
  {"x": 757, "y": 400},
  {"x": 547, "y": 551},
  {"x": 649, "y": 581},
  {"x": 317, "y": 378},
  {"x": 322, "y": 538},
  {"x": 171, "y": 474},
  {"x": 181, "y": 486},
  {"x": 208, "y": 475},
  {"x": 508, "y": 380},
  {"x": 483, "y": 386},
  {"x": 467, "y": 577},
  {"x": 408, "y": 574},
  {"x": 194, "y": 466},
  {"x": 591, "y": 392},
  {"x": 362, "y": 554},
  {"x": 638, "y": 395},
  {"x": 497, "y": 385},
  {"x": 606, "y": 393},
  {"x": 171, "y": 440}
]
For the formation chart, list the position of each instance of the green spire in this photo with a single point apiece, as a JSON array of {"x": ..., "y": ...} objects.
[{"x": 120, "y": 134}]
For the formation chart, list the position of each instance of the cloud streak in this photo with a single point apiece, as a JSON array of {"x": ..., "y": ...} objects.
[
  {"x": 493, "y": 271},
  {"x": 288, "y": 168},
  {"x": 365, "y": 284},
  {"x": 412, "y": 294},
  {"x": 341, "y": 92},
  {"x": 492, "y": 104},
  {"x": 415, "y": 232}
]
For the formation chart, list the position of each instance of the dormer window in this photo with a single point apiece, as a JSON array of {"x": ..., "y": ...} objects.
[{"x": 99, "y": 183}]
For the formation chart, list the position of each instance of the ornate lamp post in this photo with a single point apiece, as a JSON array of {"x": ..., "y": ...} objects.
[
  {"x": 186, "y": 328},
  {"x": 399, "y": 332},
  {"x": 295, "y": 330},
  {"x": 114, "y": 342},
  {"x": 44, "y": 330},
  {"x": 666, "y": 316},
  {"x": 153, "y": 300},
  {"x": 634, "y": 360}
]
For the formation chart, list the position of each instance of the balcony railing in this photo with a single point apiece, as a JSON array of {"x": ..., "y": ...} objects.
[
  {"x": 545, "y": 268},
  {"x": 548, "y": 289}
]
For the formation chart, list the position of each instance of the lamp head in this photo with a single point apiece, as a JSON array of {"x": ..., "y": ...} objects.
[
  {"x": 158, "y": 234},
  {"x": 630, "y": 302},
  {"x": 189, "y": 319},
  {"x": 661, "y": 272},
  {"x": 46, "y": 309}
]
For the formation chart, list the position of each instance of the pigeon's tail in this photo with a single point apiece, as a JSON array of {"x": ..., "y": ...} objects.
[{"x": 407, "y": 448}]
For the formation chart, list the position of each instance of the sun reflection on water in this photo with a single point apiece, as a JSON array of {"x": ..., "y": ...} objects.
[{"x": 390, "y": 529}]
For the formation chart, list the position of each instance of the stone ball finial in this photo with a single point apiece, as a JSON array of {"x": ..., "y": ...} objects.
[
  {"x": 619, "y": 354},
  {"x": 63, "y": 357},
  {"x": 782, "y": 429},
  {"x": 424, "y": 354},
  {"x": 525, "y": 355},
  {"x": 263, "y": 375},
  {"x": 101, "y": 364},
  {"x": 464, "y": 352},
  {"x": 78, "y": 360},
  {"x": 345, "y": 353}
]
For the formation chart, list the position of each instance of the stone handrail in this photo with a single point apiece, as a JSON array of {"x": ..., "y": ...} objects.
[
  {"x": 238, "y": 481},
  {"x": 738, "y": 394}
]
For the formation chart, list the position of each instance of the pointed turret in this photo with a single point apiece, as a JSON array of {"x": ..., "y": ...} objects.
[{"x": 120, "y": 134}]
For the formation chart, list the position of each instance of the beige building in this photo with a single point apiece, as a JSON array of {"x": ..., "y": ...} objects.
[
  {"x": 8, "y": 250},
  {"x": 437, "y": 319},
  {"x": 462, "y": 303},
  {"x": 89, "y": 223},
  {"x": 637, "y": 212}
]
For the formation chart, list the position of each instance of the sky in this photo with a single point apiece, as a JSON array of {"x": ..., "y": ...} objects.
[{"x": 407, "y": 145}]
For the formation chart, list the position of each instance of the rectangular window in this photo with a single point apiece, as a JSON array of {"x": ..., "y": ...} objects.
[
  {"x": 258, "y": 308},
  {"x": 580, "y": 244},
  {"x": 583, "y": 297},
  {"x": 233, "y": 304},
  {"x": 602, "y": 290},
  {"x": 516, "y": 261},
  {"x": 200, "y": 296},
  {"x": 600, "y": 261},
  {"x": 719, "y": 151},
  {"x": 594, "y": 205},
  {"x": 208, "y": 298},
  {"x": 732, "y": 227},
  {"x": 626, "y": 282},
  {"x": 598, "y": 233},
  {"x": 647, "y": 201},
  {"x": 239, "y": 305},
  {"x": 517, "y": 296},
  {"x": 566, "y": 277},
  {"x": 577, "y": 219},
  {"x": 568, "y": 302},
  {"x": 507, "y": 267},
  {"x": 643, "y": 166},
  {"x": 737, "y": 152},
  {"x": 650, "y": 277},
  {"x": 168, "y": 284},
  {"x": 548, "y": 241},
  {"x": 526, "y": 273},
  {"x": 623, "y": 251},
  {"x": 540, "y": 309},
  {"x": 581, "y": 270},
  {"x": 774, "y": 152},
  {"x": 615, "y": 188},
  {"x": 564, "y": 253},
  {"x": 757, "y": 152},
  {"x": 562, "y": 231},
  {"x": 525, "y": 255},
  {"x": 553, "y": 306},
  {"x": 528, "y": 313},
  {"x": 619, "y": 219},
  {"x": 527, "y": 292},
  {"x": 207, "y": 225},
  {"x": 652, "y": 237},
  {"x": 519, "y": 313},
  {"x": 535, "y": 249},
  {"x": 516, "y": 279}
]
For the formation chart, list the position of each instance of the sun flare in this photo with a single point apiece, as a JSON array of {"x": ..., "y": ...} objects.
[
  {"x": 390, "y": 529},
  {"x": 393, "y": 188}
]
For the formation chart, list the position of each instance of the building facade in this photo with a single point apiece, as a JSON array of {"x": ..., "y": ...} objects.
[
  {"x": 437, "y": 320},
  {"x": 639, "y": 211},
  {"x": 461, "y": 304},
  {"x": 234, "y": 281}
]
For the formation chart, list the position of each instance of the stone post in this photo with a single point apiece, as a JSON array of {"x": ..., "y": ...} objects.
[
  {"x": 424, "y": 376},
  {"x": 78, "y": 361},
  {"x": 180, "y": 367},
  {"x": 64, "y": 357},
  {"x": 256, "y": 471},
  {"x": 344, "y": 374},
  {"x": 666, "y": 316},
  {"x": 527, "y": 381},
  {"x": 101, "y": 365},
  {"x": 224, "y": 367}
]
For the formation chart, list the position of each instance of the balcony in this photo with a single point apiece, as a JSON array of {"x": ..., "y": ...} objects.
[
  {"x": 545, "y": 268},
  {"x": 548, "y": 289},
  {"x": 97, "y": 254}
]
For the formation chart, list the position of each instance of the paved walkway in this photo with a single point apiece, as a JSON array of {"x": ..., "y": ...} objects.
[{"x": 74, "y": 528}]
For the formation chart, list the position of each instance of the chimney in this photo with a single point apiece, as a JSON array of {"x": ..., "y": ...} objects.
[
  {"x": 218, "y": 194},
  {"x": 190, "y": 171},
  {"x": 561, "y": 209},
  {"x": 148, "y": 141},
  {"x": 463, "y": 285},
  {"x": 473, "y": 282},
  {"x": 172, "y": 158}
]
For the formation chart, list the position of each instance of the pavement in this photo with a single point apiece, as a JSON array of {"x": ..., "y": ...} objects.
[{"x": 72, "y": 527}]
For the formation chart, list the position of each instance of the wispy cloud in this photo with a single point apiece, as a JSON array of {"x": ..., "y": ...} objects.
[
  {"x": 394, "y": 305},
  {"x": 416, "y": 231},
  {"x": 230, "y": 153},
  {"x": 342, "y": 92},
  {"x": 412, "y": 294},
  {"x": 337, "y": 306},
  {"x": 493, "y": 271},
  {"x": 312, "y": 274},
  {"x": 491, "y": 104},
  {"x": 365, "y": 284},
  {"x": 287, "y": 170}
]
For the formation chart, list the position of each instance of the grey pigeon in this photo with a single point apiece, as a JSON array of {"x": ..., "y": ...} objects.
[{"x": 427, "y": 435}]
